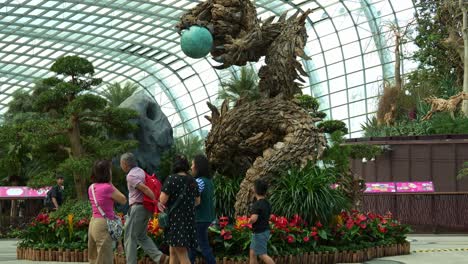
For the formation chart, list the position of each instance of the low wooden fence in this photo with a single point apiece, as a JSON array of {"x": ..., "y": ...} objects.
[{"x": 356, "y": 256}]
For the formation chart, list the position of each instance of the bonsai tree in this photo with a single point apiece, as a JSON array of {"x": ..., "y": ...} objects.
[{"x": 71, "y": 126}]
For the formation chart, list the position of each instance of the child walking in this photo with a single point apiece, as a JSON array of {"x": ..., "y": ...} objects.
[{"x": 261, "y": 210}]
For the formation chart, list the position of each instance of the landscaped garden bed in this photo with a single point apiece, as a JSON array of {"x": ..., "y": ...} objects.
[{"x": 349, "y": 237}]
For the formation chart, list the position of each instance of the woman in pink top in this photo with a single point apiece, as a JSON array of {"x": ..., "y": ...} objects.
[{"x": 99, "y": 240}]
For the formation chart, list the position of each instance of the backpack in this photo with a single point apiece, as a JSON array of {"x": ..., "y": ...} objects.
[
  {"x": 48, "y": 199},
  {"x": 155, "y": 186}
]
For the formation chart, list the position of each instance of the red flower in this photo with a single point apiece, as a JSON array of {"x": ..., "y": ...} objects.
[
  {"x": 349, "y": 223},
  {"x": 363, "y": 225},
  {"x": 361, "y": 218},
  {"x": 290, "y": 239},
  {"x": 82, "y": 222},
  {"x": 223, "y": 221},
  {"x": 282, "y": 222},
  {"x": 43, "y": 219},
  {"x": 382, "y": 229},
  {"x": 306, "y": 239},
  {"x": 60, "y": 222},
  {"x": 273, "y": 218},
  {"x": 313, "y": 233},
  {"x": 227, "y": 235},
  {"x": 318, "y": 224}
]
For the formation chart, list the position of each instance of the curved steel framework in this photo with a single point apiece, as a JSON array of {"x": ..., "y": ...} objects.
[{"x": 349, "y": 43}]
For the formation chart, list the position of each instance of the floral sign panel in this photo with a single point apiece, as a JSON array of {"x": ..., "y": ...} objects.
[
  {"x": 22, "y": 192},
  {"x": 415, "y": 186},
  {"x": 380, "y": 187}
]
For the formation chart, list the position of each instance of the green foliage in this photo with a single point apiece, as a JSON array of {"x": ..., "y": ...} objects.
[
  {"x": 189, "y": 145},
  {"x": 464, "y": 171},
  {"x": 443, "y": 123},
  {"x": 240, "y": 86},
  {"x": 308, "y": 191},
  {"x": 438, "y": 23},
  {"x": 337, "y": 155},
  {"x": 308, "y": 102},
  {"x": 330, "y": 126},
  {"x": 360, "y": 151},
  {"x": 226, "y": 190},
  {"x": 74, "y": 66},
  {"x": 78, "y": 208},
  {"x": 116, "y": 93},
  {"x": 439, "y": 124},
  {"x": 40, "y": 126}
]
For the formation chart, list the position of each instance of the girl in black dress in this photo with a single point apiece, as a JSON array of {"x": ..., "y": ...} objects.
[{"x": 180, "y": 234}]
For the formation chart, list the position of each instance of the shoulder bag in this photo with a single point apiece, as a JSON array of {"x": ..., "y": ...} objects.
[
  {"x": 114, "y": 226},
  {"x": 163, "y": 217}
]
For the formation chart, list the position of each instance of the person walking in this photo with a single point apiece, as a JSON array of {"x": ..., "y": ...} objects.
[
  {"x": 138, "y": 217},
  {"x": 180, "y": 194},
  {"x": 261, "y": 210},
  {"x": 205, "y": 211},
  {"x": 103, "y": 194}
]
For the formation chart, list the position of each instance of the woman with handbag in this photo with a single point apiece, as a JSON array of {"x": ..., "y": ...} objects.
[
  {"x": 102, "y": 195},
  {"x": 179, "y": 196}
]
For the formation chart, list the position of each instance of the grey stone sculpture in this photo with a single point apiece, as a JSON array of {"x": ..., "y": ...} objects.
[{"x": 154, "y": 131}]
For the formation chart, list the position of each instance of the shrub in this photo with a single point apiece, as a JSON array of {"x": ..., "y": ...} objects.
[
  {"x": 226, "y": 190},
  {"x": 308, "y": 102},
  {"x": 330, "y": 126},
  {"x": 360, "y": 151},
  {"x": 78, "y": 208},
  {"x": 308, "y": 191}
]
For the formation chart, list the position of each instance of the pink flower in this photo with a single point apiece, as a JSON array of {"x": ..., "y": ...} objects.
[
  {"x": 290, "y": 239},
  {"x": 349, "y": 223},
  {"x": 313, "y": 233},
  {"x": 363, "y": 225},
  {"x": 306, "y": 239}
]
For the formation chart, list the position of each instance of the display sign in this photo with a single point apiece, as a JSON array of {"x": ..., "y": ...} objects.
[
  {"x": 23, "y": 192},
  {"x": 415, "y": 186},
  {"x": 380, "y": 187}
]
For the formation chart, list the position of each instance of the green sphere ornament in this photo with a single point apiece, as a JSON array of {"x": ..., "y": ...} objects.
[{"x": 196, "y": 42}]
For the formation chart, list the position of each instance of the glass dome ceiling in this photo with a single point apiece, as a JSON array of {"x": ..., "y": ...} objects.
[{"x": 349, "y": 42}]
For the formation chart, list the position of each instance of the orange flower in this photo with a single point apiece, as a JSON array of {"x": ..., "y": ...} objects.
[
  {"x": 153, "y": 226},
  {"x": 242, "y": 221}
]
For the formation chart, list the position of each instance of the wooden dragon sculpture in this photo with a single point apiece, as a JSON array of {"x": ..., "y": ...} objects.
[
  {"x": 258, "y": 139},
  {"x": 443, "y": 105}
]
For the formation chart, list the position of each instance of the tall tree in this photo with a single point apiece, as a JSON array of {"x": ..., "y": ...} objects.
[
  {"x": 71, "y": 125},
  {"x": 440, "y": 47},
  {"x": 115, "y": 93},
  {"x": 464, "y": 8}
]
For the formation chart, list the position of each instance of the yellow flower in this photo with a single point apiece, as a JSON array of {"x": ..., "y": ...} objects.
[{"x": 70, "y": 225}]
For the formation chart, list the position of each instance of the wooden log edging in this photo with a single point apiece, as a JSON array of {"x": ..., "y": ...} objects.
[{"x": 325, "y": 257}]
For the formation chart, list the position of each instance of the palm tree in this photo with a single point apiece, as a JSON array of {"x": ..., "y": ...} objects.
[
  {"x": 116, "y": 93},
  {"x": 243, "y": 86}
]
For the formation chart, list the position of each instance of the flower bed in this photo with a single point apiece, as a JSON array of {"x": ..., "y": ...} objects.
[{"x": 349, "y": 237}]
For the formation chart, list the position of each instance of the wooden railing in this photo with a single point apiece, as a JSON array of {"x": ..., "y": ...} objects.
[{"x": 426, "y": 212}]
